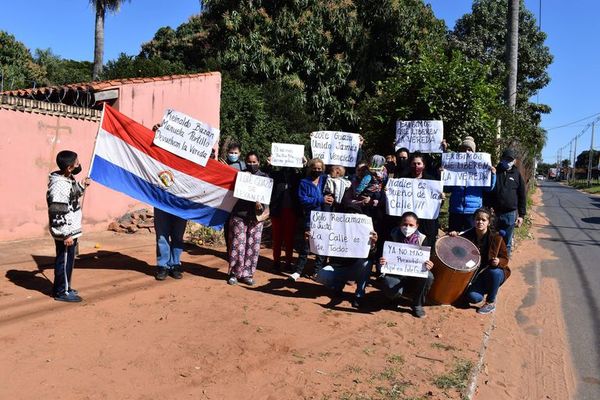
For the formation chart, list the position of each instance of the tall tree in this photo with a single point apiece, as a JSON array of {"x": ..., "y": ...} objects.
[
  {"x": 482, "y": 35},
  {"x": 17, "y": 67},
  {"x": 512, "y": 52},
  {"x": 101, "y": 7}
]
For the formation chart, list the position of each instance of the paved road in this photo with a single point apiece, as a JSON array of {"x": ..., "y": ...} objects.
[{"x": 575, "y": 239}]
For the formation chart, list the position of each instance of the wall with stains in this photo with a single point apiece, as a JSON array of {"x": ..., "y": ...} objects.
[{"x": 29, "y": 142}]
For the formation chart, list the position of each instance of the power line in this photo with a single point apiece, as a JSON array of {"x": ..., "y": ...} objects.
[{"x": 572, "y": 123}]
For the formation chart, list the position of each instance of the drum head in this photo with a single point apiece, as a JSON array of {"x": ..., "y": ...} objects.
[{"x": 457, "y": 253}]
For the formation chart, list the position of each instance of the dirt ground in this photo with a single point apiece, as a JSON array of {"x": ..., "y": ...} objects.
[
  {"x": 137, "y": 338},
  {"x": 528, "y": 354}
]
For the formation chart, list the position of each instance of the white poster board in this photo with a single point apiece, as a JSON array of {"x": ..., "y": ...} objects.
[
  {"x": 466, "y": 169},
  {"x": 287, "y": 155},
  {"x": 421, "y": 196},
  {"x": 423, "y": 136},
  {"x": 253, "y": 187},
  {"x": 405, "y": 259},
  {"x": 335, "y": 148},
  {"x": 339, "y": 234},
  {"x": 186, "y": 137}
]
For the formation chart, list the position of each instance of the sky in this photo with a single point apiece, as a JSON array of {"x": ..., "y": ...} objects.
[{"x": 67, "y": 27}]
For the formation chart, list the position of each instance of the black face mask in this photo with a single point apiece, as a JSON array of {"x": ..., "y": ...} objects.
[
  {"x": 252, "y": 168},
  {"x": 76, "y": 170},
  {"x": 402, "y": 163},
  {"x": 315, "y": 174}
]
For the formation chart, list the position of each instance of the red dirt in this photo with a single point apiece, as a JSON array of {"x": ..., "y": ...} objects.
[
  {"x": 136, "y": 338},
  {"x": 528, "y": 355}
]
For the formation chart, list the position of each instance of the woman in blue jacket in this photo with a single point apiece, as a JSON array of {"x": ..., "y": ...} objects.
[
  {"x": 310, "y": 194},
  {"x": 465, "y": 200}
]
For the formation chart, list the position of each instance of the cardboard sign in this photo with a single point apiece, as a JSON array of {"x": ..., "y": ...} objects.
[
  {"x": 423, "y": 136},
  {"x": 253, "y": 187},
  {"x": 339, "y": 234},
  {"x": 466, "y": 169},
  {"x": 405, "y": 259},
  {"x": 287, "y": 155},
  {"x": 186, "y": 137},
  {"x": 335, "y": 148},
  {"x": 421, "y": 196}
]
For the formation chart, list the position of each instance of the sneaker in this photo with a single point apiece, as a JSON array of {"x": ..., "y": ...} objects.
[
  {"x": 161, "y": 274},
  {"x": 232, "y": 280},
  {"x": 419, "y": 312},
  {"x": 74, "y": 291},
  {"x": 247, "y": 280},
  {"x": 486, "y": 308},
  {"x": 175, "y": 272},
  {"x": 294, "y": 277},
  {"x": 68, "y": 297}
]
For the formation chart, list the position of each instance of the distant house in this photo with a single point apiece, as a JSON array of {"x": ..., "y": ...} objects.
[{"x": 38, "y": 123}]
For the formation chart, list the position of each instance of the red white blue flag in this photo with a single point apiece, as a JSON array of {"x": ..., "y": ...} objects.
[{"x": 125, "y": 160}]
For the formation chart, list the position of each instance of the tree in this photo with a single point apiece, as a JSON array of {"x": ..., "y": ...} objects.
[
  {"x": 101, "y": 6},
  {"x": 17, "y": 67},
  {"x": 437, "y": 85},
  {"x": 60, "y": 71},
  {"x": 130, "y": 67},
  {"x": 482, "y": 35}
]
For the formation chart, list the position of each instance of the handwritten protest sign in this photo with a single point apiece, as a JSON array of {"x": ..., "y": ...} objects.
[
  {"x": 423, "y": 136},
  {"x": 253, "y": 187},
  {"x": 466, "y": 169},
  {"x": 335, "y": 148},
  {"x": 287, "y": 155},
  {"x": 405, "y": 259},
  {"x": 340, "y": 235},
  {"x": 421, "y": 196},
  {"x": 186, "y": 137}
]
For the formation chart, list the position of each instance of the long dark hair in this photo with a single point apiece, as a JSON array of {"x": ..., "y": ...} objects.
[{"x": 491, "y": 216}]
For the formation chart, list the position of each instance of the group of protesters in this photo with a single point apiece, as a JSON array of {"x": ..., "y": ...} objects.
[{"x": 486, "y": 216}]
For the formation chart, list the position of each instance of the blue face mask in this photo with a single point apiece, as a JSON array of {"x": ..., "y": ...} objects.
[{"x": 233, "y": 157}]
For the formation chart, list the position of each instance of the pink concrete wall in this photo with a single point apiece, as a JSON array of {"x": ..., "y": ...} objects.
[{"x": 29, "y": 143}]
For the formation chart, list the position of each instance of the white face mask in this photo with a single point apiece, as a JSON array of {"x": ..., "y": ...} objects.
[{"x": 408, "y": 230}]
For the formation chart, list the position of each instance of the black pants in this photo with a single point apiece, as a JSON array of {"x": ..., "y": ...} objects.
[
  {"x": 395, "y": 286},
  {"x": 63, "y": 267},
  {"x": 303, "y": 259}
]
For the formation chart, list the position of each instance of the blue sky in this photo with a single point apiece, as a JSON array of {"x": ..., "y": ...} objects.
[{"x": 67, "y": 26}]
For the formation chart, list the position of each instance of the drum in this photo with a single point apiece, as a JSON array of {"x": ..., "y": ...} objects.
[{"x": 455, "y": 261}]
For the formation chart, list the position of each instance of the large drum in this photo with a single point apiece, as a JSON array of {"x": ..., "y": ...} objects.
[{"x": 455, "y": 261}]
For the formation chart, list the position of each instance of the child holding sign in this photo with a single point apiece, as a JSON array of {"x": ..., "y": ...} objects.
[{"x": 394, "y": 286}]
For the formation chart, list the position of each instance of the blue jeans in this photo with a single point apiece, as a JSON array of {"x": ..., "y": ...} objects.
[
  {"x": 488, "y": 282},
  {"x": 63, "y": 267},
  {"x": 394, "y": 286},
  {"x": 169, "y": 238},
  {"x": 506, "y": 223},
  {"x": 335, "y": 277}
]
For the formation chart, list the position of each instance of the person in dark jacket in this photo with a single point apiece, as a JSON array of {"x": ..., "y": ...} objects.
[
  {"x": 311, "y": 197},
  {"x": 417, "y": 170},
  {"x": 465, "y": 200},
  {"x": 509, "y": 197},
  {"x": 285, "y": 210}
]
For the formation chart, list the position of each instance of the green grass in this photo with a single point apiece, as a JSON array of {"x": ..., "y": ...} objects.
[
  {"x": 457, "y": 378},
  {"x": 582, "y": 184}
]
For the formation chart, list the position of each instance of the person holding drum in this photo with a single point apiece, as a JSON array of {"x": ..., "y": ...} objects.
[
  {"x": 394, "y": 286},
  {"x": 493, "y": 270}
]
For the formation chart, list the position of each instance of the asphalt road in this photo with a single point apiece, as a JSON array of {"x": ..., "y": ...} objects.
[{"x": 575, "y": 239}]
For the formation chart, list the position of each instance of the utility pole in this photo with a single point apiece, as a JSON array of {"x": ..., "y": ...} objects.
[
  {"x": 591, "y": 157},
  {"x": 574, "y": 159}
]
